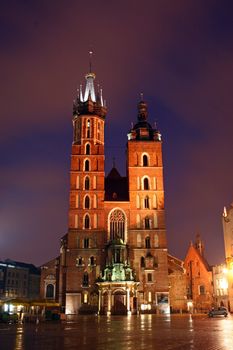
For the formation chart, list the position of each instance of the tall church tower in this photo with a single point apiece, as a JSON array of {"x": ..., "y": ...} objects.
[
  {"x": 147, "y": 234},
  {"x": 81, "y": 246}
]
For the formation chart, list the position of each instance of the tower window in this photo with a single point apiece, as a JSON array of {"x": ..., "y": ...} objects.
[
  {"x": 147, "y": 242},
  {"x": 142, "y": 261},
  {"x": 87, "y": 202},
  {"x": 146, "y": 202},
  {"x": 146, "y": 183},
  {"x": 147, "y": 223},
  {"x": 88, "y": 149},
  {"x": 85, "y": 280},
  {"x": 87, "y": 183},
  {"x": 87, "y": 165},
  {"x": 145, "y": 160},
  {"x": 87, "y": 221},
  {"x": 86, "y": 243}
]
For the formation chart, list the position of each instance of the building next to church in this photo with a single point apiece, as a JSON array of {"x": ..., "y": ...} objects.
[
  {"x": 199, "y": 278},
  {"x": 227, "y": 219},
  {"x": 113, "y": 259}
]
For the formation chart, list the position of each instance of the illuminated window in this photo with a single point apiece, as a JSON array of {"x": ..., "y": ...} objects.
[
  {"x": 149, "y": 297},
  {"x": 147, "y": 242},
  {"x": 117, "y": 224},
  {"x": 88, "y": 149},
  {"x": 87, "y": 202},
  {"x": 87, "y": 165},
  {"x": 87, "y": 183}
]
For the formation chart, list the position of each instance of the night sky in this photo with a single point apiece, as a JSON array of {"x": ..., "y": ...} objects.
[{"x": 179, "y": 53}]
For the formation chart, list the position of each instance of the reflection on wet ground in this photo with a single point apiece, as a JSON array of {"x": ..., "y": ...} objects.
[{"x": 122, "y": 332}]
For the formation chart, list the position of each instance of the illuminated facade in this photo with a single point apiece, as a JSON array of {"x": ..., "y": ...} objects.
[
  {"x": 227, "y": 219},
  {"x": 198, "y": 278},
  {"x": 113, "y": 258}
]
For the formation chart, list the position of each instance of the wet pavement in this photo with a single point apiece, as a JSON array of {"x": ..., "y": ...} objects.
[{"x": 156, "y": 332}]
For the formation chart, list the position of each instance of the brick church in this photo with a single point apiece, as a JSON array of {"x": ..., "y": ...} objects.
[{"x": 113, "y": 259}]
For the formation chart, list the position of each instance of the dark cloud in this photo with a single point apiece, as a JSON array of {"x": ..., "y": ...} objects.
[{"x": 178, "y": 53}]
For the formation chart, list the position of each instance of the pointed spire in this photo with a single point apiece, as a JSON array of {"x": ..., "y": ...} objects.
[{"x": 90, "y": 61}]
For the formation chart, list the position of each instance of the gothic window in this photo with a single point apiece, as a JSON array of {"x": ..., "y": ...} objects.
[
  {"x": 87, "y": 202},
  {"x": 142, "y": 261},
  {"x": 85, "y": 280},
  {"x": 117, "y": 225},
  {"x": 145, "y": 160},
  {"x": 88, "y": 149},
  {"x": 87, "y": 183},
  {"x": 95, "y": 201},
  {"x": 146, "y": 183},
  {"x": 87, "y": 165},
  {"x": 156, "y": 263},
  {"x": 50, "y": 291},
  {"x": 146, "y": 202},
  {"x": 147, "y": 223},
  {"x": 87, "y": 221},
  {"x": 147, "y": 242}
]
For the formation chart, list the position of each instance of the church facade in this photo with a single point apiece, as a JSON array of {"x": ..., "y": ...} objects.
[{"x": 113, "y": 259}]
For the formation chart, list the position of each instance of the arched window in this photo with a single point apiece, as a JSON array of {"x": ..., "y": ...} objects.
[
  {"x": 79, "y": 261},
  {"x": 117, "y": 225},
  {"x": 145, "y": 160},
  {"x": 147, "y": 242},
  {"x": 146, "y": 183},
  {"x": 50, "y": 291},
  {"x": 147, "y": 223},
  {"x": 88, "y": 149},
  {"x": 95, "y": 201},
  {"x": 87, "y": 183},
  {"x": 92, "y": 260},
  {"x": 85, "y": 280},
  {"x": 146, "y": 202},
  {"x": 87, "y": 165},
  {"x": 87, "y": 221},
  {"x": 142, "y": 261},
  {"x": 156, "y": 240},
  {"x": 87, "y": 202}
]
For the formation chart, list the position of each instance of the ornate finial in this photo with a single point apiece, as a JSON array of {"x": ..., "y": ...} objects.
[
  {"x": 141, "y": 96},
  {"x": 90, "y": 59}
]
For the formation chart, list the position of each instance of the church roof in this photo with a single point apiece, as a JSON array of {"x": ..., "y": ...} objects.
[{"x": 116, "y": 186}]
